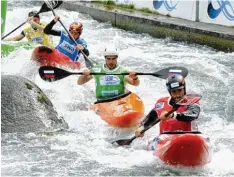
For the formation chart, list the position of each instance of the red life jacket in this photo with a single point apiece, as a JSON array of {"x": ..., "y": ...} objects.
[{"x": 171, "y": 124}]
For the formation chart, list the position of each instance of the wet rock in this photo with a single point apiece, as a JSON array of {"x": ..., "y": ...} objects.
[{"x": 25, "y": 108}]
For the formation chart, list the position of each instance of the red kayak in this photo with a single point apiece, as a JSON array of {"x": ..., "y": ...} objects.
[
  {"x": 47, "y": 56},
  {"x": 183, "y": 148}
]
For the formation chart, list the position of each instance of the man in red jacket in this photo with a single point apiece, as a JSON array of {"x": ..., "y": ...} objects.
[{"x": 181, "y": 119}]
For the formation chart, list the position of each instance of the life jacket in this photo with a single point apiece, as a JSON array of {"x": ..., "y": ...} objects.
[
  {"x": 37, "y": 36},
  {"x": 108, "y": 86},
  {"x": 68, "y": 47},
  {"x": 171, "y": 124}
]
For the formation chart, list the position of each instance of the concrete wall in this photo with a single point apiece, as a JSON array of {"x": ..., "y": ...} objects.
[
  {"x": 218, "y": 37},
  {"x": 209, "y": 11}
]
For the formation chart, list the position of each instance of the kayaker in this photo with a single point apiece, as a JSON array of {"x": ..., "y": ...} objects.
[
  {"x": 66, "y": 45},
  {"x": 181, "y": 120},
  {"x": 34, "y": 32},
  {"x": 108, "y": 86}
]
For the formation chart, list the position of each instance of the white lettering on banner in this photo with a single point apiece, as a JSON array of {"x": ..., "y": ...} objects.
[
  {"x": 221, "y": 11},
  {"x": 109, "y": 80},
  {"x": 68, "y": 47},
  {"x": 110, "y": 93},
  {"x": 176, "y": 84}
]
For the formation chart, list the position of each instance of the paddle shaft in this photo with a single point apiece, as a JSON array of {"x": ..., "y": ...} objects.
[
  {"x": 185, "y": 101},
  {"x": 154, "y": 123},
  {"x": 153, "y": 74},
  {"x": 92, "y": 73},
  {"x": 59, "y": 73},
  {"x": 13, "y": 30},
  {"x": 85, "y": 57},
  {"x": 43, "y": 9}
]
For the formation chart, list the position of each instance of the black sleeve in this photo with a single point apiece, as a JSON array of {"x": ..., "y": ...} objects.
[
  {"x": 190, "y": 114},
  {"x": 150, "y": 118},
  {"x": 48, "y": 29},
  {"x": 86, "y": 51},
  {"x": 23, "y": 33}
]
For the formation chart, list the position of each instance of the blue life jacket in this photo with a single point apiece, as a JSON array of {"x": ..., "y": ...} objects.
[{"x": 68, "y": 47}]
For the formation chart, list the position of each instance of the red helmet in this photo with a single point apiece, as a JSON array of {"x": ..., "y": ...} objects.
[{"x": 76, "y": 27}]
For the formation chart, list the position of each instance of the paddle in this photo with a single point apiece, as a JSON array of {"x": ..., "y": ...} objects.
[
  {"x": 50, "y": 73},
  {"x": 88, "y": 61},
  {"x": 44, "y": 8},
  {"x": 185, "y": 101}
]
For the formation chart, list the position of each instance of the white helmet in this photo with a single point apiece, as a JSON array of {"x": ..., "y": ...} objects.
[{"x": 110, "y": 51}]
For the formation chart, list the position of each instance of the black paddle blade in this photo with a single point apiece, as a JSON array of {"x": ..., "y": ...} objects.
[
  {"x": 88, "y": 63},
  {"x": 165, "y": 73},
  {"x": 52, "y": 4},
  {"x": 50, "y": 73},
  {"x": 124, "y": 142}
]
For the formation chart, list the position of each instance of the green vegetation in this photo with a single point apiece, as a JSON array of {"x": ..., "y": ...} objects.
[
  {"x": 178, "y": 35},
  {"x": 126, "y": 6},
  {"x": 42, "y": 98},
  {"x": 109, "y": 2},
  {"x": 29, "y": 86},
  {"x": 147, "y": 10},
  {"x": 105, "y": 2},
  {"x": 168, "y": 15},
  {"x": 110, "y": 5}
]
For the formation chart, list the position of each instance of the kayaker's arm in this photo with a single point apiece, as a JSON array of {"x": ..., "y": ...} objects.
[
  {"x": 148, "y": 120},
  {"x": 35, "y": 25},
  {"x": 83, "y": 47},
  {"x": 86, "y": 51},
  {"x": 48, "y": 29},
  {"x": 132, "y": 79},
  {"x": 85, "y": 77},
  {"x": 16, "y": 38},
  {"x": 190, "y": 114}
]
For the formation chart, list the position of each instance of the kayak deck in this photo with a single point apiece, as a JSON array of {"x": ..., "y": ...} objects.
[
  {"x": 186, "y": 149},
  {"x": 122, "y": 112},
  {"x": 47, "y": 56}
]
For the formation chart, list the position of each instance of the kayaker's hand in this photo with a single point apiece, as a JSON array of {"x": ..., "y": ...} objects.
[
  {"x": 138, "y": 132},
  {"x": 56, "y": 18},
  {"x": 80, "y": 47},
  {"x": 30, "y": 20},
  {"x": 163, "y": 117},
  {"x": 133, "y": 75},
  {"x": 86, "y": 72}
]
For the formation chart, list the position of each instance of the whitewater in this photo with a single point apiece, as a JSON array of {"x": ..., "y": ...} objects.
[{"x": 85, "y": 148}]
